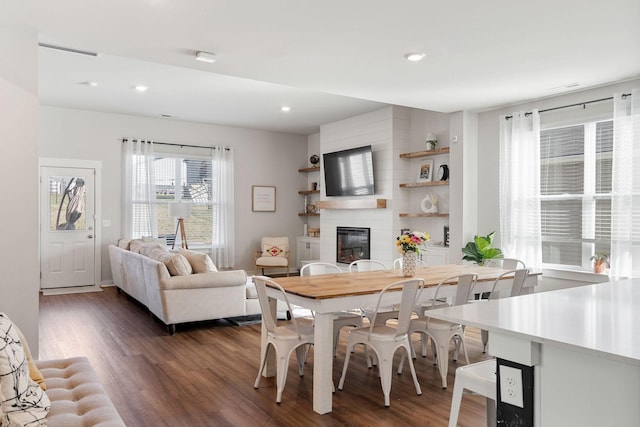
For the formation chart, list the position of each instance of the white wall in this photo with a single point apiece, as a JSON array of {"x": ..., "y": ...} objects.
[
  {"x": 20, "y": 282},
  {"x": 261, "y": 158},
  {"x": 375, "y": 129}
]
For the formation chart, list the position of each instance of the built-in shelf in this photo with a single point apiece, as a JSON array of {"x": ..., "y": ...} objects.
[
  {"x": 311, "y": 169},
  {"x": 423, "y": 215},
  {"x": 425, "y": 153},
  {"x": 305, "y": 192},
  {"x": 423, "y": 184},
  {"x": 352, "y": 204},
  {"x": 308, "y": 214}
]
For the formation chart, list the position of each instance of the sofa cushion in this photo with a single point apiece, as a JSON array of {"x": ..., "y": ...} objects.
[
  {"x": 176, "y": 263},
  {"x": 272, "y": 261},
  {"x": 200, "y": 262},
  {"x": 24, "y": 402},
  {"x": 124, "y": 243},
  {"x": 146, "y": 248}
]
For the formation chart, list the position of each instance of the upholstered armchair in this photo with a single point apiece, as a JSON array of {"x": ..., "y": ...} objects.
[{"x": 273, "y": 253}]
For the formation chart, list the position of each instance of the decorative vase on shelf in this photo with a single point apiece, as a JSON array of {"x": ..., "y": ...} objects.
[{"x": 409, "y": 264}]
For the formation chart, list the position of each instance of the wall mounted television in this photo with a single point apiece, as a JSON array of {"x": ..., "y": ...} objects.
[{"x": 349, "y": 172}]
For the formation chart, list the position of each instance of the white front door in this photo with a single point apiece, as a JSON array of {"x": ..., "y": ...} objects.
[{"x": 67, "y": 227}]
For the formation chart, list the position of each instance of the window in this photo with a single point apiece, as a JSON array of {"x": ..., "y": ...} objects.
[
  {"x": 184, "y": 180},
  {"x": 575, "y": 188}
]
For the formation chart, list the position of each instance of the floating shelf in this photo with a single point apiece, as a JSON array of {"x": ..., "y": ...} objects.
[
  {"x": 425, "y": 153},
  {"x": 311, "y": 169},
  {"x": 423, "y": 215},
  {"x": 308, "y": 214},
  {"x": 352, "y": 204},
  {"x": 424, "y": 184},
  {"x": 304, "y": 192}
]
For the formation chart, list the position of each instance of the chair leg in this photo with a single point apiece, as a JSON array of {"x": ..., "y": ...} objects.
[
  {"x": 443, "y": 361},
  {"x": 456, "y": 399},
  {"x": 263, "y": 363},
  {"x": 281, "y": 376},
  {"x": 484, "y": 335},
  {"x": 413, "y": 370},
  {"x": 346, "y": 363},
  {"x": 301, "y": 355},
  {"x": 384, "y": 369}
]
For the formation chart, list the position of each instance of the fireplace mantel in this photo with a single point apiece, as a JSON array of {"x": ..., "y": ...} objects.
[{"x": 352, "y": 204}]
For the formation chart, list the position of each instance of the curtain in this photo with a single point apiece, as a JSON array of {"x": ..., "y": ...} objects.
[
  {"x": 625, "y": 186},
  {"x": 223, "y": 230},
  {"x": 138, "y": 192},
  {"x": 520, "y": 228}
]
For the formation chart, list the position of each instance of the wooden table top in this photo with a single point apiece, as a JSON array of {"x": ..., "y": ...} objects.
[{"x": 337, "y": 285}]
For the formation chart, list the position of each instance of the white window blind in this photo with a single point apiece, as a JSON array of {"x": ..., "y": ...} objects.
[{"x": 575, "y": 187}]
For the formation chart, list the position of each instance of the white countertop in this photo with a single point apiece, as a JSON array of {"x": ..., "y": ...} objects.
[{"x": 602, "y": 318}]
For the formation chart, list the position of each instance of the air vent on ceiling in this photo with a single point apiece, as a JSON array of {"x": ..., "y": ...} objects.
[{"x": 68, "y": 49}]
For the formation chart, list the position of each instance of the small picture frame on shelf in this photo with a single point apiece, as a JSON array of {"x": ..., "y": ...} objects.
[{"x": 425, "y": 171}]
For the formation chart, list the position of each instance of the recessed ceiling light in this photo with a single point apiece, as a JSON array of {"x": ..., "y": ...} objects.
[
  {"x": 92, "y": 84},
  {"x": 141, "y": 88},
  {"x": 285, "y": 108},
  {"x": 414, "y": 56},
  {"x": 206, "y": 57}
]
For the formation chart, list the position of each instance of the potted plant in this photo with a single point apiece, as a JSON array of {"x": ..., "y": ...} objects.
[
  {"x": 600, "y": 262},
  {"x": 432, "y": 142},
  {"x": 480, "y": 249}
]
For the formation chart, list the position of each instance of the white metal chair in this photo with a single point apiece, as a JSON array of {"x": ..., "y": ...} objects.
[
  {"x": 519, "y": 277},
  {"x": 284, "y": 339},
  {"x": 273, "y": 254},
  {"x": 441, "y": 331},
  {"x": 385, "y": 313},
  {"x": 506, "y": 263},
  {"x": 478, "y": 378},
  {"x": 385, "y": 340},
  {"x": 341, "y": 319}
]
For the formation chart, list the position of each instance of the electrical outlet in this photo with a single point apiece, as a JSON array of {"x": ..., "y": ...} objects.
[{"x": 511, "y": 386}]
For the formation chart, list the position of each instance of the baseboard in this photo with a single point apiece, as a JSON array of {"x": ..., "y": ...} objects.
[{"x": 71, "y": 290}]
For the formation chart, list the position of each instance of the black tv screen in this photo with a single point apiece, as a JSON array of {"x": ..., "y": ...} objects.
[{"x": 349, "y": 172}]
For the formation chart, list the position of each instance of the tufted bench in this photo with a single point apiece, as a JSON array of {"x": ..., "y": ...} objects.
[{"x": 77, "y": 397}]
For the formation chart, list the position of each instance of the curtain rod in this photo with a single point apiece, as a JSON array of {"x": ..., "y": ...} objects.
[
  {"x": 177, "y": 145},
  {"x": 583, "y": 104}
]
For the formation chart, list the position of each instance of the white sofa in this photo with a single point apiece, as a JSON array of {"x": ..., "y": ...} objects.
[{"x": 182, "y": 298}]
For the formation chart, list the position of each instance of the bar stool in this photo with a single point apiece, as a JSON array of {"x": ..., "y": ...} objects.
[{"x": 479, "y": 378}]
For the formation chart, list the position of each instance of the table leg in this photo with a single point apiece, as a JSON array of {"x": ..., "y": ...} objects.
[
  {"x": 270, "y": 369},
  {"x": 323, "y": 363}
]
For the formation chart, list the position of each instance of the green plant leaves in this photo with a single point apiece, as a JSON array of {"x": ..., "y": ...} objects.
[{"x": 481, "y": 250}]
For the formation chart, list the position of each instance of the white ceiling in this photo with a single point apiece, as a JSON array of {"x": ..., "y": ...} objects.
[{"x": 327, "y": 59}]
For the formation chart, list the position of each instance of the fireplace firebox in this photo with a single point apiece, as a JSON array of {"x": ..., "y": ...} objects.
[{"x": 352, "y": 244}]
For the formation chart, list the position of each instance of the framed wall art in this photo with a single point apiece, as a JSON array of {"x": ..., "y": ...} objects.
[
  {"x": 425, "y": 171},
  {"x": 263, "y": 198}
]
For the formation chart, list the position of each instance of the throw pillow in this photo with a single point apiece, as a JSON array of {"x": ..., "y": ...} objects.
[
  {"x": 24, "y": 402},
  {"x": 200, "y": 262},
  {"x": 34, "y": 372},
  {"x": 176, "y": 263},
  {"x": 274, "y": 250},
  {"x": 135, "y": 244},
  {"x": 124, "y": 243},
  {"x": 146, "y": 248}
]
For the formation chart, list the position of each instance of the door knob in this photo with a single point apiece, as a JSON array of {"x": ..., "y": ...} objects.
[{"x": 90, "y": 236}]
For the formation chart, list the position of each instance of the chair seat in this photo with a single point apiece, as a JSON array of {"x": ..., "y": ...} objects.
[
  {"x": 288, "y": 332},
  {"x": 272, "y": 261},
  {"x": 379, "y": 332}
]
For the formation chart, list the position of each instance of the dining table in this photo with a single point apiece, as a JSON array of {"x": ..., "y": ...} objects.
[{"x": 328, "y": 293}]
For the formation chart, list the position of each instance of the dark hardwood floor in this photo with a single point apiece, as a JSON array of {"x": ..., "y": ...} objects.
[{"x": 204, "y": 374}]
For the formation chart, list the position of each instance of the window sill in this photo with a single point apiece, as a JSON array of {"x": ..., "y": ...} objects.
[{"x": 576, "y": 275}]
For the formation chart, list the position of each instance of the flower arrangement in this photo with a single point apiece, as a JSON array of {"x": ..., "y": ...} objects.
[{"x": 411, "y": 242}]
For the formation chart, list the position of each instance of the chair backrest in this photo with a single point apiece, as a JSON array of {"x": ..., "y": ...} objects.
[
  {"x": 282, "y": 243},
  {"x": 367, "y": 265},
  {"x": 519, "y": 277},
  {"x": 397, "y": 263},
  {"x": 315, "y": 268},
  {"x": 506, "y": 263},
  {"x": 267, "y": 317},
  {"x": 465, "y": 283},
  {"x": 410, "y": 289}
]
